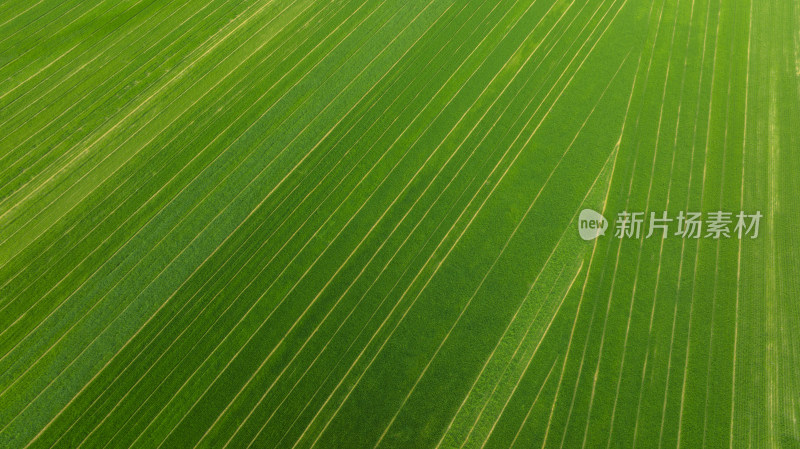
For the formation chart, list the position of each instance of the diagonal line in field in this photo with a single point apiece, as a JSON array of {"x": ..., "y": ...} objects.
[
  {"x": 161, "y": 306},
  {"x": 122, "y": 201},
  {"x": 605, "y": 204},
  {"x": 363, "y": 269},
  {"x": 453, "y": 246},
  {"x": 11, "y": 19},
  {"x": 603, "y": 273},
  {"x": 530, "y": 360},
  {"x": 164, "y": 207},
  {"x": 285, "y": 178},
  {"x": 173, "y": 294},
  {"x": 716, "y": 259},
  {"x": 131, "y": 362},
  {"x": 683, "y": 243},
  {"x": 591, "y": 261},
  {"x": 208, "y": 280},
  {"x": 546, "y": 263},
  {"x": 616, "y": 263},
  {"x": 171, "y": 345},
  {"x": 697, "y": 254},
  {"x": 32, "y": 47},
  {"x": 533, "y": 403},
  {"x": 741, "y": 204},
  {"x": 661, "y": 248},
  {"x": 406, "y": 269},
  {"x": 7, "y": 179},
  {"x": 308, "y": 307},
  {"x": 113, "y": 255},
  {"x": 369, "y": 288},
  {"x": 146, "y": 101},
  {"x": 30, "y": 103},
  {"x": 641, "y": 241}
]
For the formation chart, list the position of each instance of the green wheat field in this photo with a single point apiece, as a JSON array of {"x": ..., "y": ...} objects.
[{"x": 355, "y": 224}]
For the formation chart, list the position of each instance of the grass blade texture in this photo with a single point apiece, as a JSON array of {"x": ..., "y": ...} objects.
[{"x": 358, "y": 223}]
